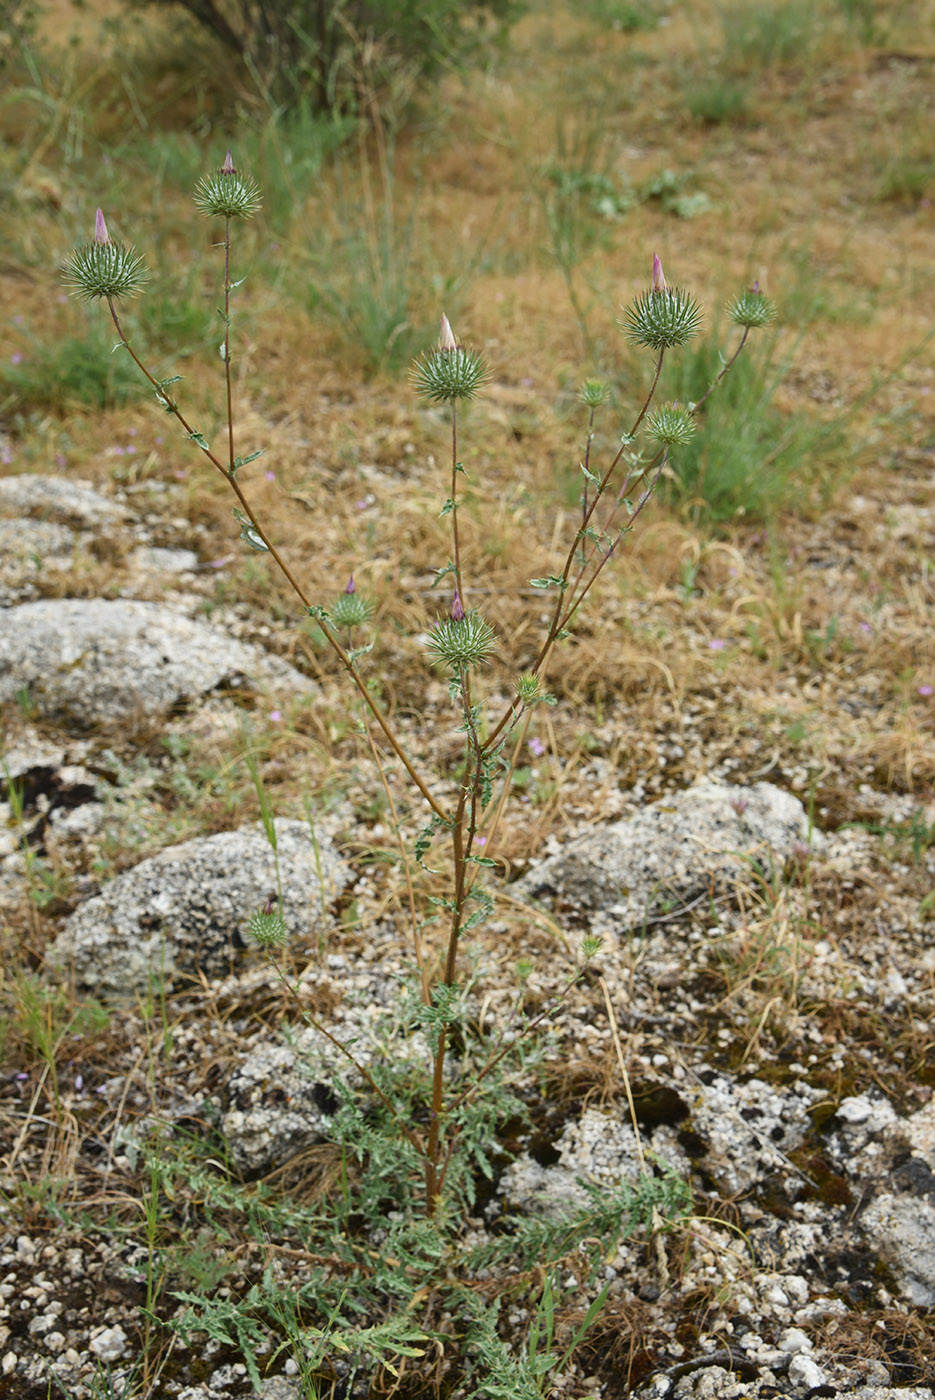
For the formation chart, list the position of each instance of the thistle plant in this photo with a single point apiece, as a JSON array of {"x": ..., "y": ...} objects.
[{"x": 463, "y": 644}]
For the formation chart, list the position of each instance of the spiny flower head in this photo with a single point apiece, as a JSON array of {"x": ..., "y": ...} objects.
[
  {"x": 670, "y": 425},
  {"x": 752, "y": 309},
  {"x": 593, "y": 393},
  {"x": 461, "y": 642},
  {"x": 350, "y": 609},
  {"x": 662, "y": 317},
  {"x": 104, "y": 268},
  {"x": 227, "y": 193},
  {"x": 449, "y": 371}
]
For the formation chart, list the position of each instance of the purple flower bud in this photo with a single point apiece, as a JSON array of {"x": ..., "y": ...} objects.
[
  {"x": 350, "y": 585},
  {"x": 755, "y": 289},
  {"x": 228, "y": 167},
  {"x": 446, "y": 341},
  {"x": 457, "y": 607},
  {"x": 659, "y": 278},
  {"x": 100, "y": 228}
]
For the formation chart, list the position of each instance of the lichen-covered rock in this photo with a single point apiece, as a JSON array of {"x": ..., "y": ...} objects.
[
  {"x": 34, "y": 541},
  {"x": 702, "y": 842},
  {"x": 902, "y": 1228},
  {"x": 62, "y": 498},
  {"x": 748, "y": 1128},
  {"x": 598, "y": 1148},
  {"x": 281, "y": 1094},
  {"x": 186, "y": 909},
  {"x": 102, "y": 662}
]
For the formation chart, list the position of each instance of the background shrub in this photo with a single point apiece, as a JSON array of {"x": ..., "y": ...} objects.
[{"x": 325, "y": 51}]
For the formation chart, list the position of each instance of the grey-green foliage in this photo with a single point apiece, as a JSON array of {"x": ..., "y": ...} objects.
[
  {"x": 378, "y": 1274},
  {"x": 325, "y": 50}
]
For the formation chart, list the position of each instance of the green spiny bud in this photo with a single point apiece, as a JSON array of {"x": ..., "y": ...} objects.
[
  {"x": 266, "y": 926},
  {"x": 449, "y": 371},
  {"x": 528, "y": 688},
  {"x": 662, "y": 317},
  {"x": 228, "y": 194},
  {"x": 351, "y": 609},
  {"x": 104, "y": 268},
  {"x": 593, "y": 393},
  {"x": 461, "y": 642},
  {"x": 670, "y": 425},
  {"x": 752, "y": 309}
]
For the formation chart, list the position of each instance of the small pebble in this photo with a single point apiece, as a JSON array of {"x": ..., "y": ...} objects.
[
  {"x": 794, "y": 1340},
  {"x": 804, "y": 1372}
]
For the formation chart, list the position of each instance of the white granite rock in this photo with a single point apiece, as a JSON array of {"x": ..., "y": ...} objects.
[
  {"x": 188, "y": 907},
  {"x": 700, "y": 842},
  {"x": 103, "y": 662}
]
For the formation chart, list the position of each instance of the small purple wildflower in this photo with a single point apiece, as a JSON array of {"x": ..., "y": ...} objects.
[
  {"x": 275, "y": 716},
  {"x": 457, "y": 608},
  {"x": 536, "y": 746},
  {"x": 926, "y": 690},
  {"x": 716, "y": 644}
]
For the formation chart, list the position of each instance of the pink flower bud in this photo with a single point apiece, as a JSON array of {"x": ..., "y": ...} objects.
[
  {"x": 350, "y": 585},
  {"x": 446, "y": 340},
  {"x": 755, "y": 289},
  {"x": 228, "y": 167},
  {"x": 457, "y": 607},
  {"x": 659, "y": 278},
  {"x": 100, "y": 228}
]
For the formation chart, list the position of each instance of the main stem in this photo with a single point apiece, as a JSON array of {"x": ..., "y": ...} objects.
[{"x": 463, "y": 831}]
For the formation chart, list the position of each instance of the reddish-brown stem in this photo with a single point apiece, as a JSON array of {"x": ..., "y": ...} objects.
[
  {"x": 455, "y": 537},
  {"x": 715, "y": 382},
  {"x": 227, "y": 340},
  {"x": 489, "y": 1066}
]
